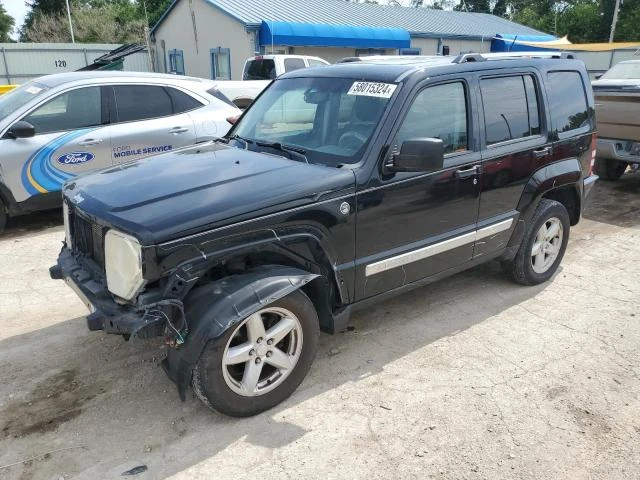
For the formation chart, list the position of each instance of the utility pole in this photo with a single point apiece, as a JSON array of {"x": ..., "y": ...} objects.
[
  {"x": 614, "y": 21},
  {"x": 73, "y": 40}
]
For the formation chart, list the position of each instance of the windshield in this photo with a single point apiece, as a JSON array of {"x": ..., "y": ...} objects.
[
  {"x": 330, "y": 120},
  {"x": 263, "y": 69},
  {"x": 623, "y": 71},
  {"x": 13, "y": 100}
]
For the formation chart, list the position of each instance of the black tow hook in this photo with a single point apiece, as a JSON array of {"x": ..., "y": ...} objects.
[{"x": 55, "y": 272}]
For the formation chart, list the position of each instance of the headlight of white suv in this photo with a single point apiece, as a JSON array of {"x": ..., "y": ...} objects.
[{"x": 123, "y": 264}]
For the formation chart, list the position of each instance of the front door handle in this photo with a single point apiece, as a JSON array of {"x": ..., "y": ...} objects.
[
  {"x": 543, "y": 152},
  {"x": 178, "y": 130},
  {"x": 90, "y": 142},
  {"x": 468, "y": 172}
]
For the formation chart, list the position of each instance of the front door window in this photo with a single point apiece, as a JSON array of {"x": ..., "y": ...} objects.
[{"x": 79, "y": 108}]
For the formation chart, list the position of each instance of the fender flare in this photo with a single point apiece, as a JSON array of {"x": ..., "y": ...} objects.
[
  {"x": 218, "y": 306},
  {"x": 558, "y": 174}
]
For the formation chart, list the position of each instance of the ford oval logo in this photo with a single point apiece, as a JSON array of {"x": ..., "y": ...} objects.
[{"x": 75, "y": 158}]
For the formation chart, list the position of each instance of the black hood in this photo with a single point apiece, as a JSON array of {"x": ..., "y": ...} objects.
[{"x": 184, "y": 192}]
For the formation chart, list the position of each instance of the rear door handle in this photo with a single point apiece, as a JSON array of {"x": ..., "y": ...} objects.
[
  {"x": 178, "y": 130},
  {"x": 543, "y": 152},
  {"x": 468, "y": 172},
  {"x": 90, "y": 141}
]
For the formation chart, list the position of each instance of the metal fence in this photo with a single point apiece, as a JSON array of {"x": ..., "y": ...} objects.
[{"x": 20, "y": 62}]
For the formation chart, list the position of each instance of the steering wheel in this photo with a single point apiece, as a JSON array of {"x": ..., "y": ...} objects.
[{"x": 352, "y": 140}]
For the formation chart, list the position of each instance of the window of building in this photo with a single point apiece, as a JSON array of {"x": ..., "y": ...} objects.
[
  {"x": 510, "y": 108},
  {"x": 569, "y": 108},
  {"x": 176, "y": 62},
  {"x": 438, "y": 112},
  {"x": 78, "y": 108},
  {"x": 221, "y": 63},
  {"x": 410, "y": 51},
  {"x": 365, "y": 52},
  {"x": 141, "y": 102}
]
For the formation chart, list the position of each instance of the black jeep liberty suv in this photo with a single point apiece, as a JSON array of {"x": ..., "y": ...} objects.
[{"x": 340, "y": 186}]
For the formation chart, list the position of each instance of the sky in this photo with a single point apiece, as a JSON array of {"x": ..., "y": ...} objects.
[{"x": 18, "y": 10}]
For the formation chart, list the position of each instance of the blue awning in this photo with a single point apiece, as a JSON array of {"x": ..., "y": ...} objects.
[
  {"x": 325, "y": 35},
  {"x": 510, "y": 43}
]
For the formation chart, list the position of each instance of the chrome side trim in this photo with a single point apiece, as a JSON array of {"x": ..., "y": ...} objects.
[
  {"x": 493, "y": 229},
  {"x": 436, "y": 248},
  {"x": 419, "y": 254}
]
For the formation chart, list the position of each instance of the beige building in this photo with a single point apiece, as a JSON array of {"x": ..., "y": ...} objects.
[{"x": 212, "y": 38}]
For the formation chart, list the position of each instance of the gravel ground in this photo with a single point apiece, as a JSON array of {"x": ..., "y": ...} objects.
[{"x": 473, "y": 377}]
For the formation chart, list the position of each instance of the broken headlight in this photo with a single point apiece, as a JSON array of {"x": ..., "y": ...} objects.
[{"x": 123, "y": 264}]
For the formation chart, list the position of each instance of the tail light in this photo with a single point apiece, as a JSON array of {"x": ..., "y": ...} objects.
[
  {"x": 233, "y": 119},
  {"x": 594, "y": 148}
]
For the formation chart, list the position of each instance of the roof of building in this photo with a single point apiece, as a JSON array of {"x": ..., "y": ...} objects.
[{"x": 417, "y": 21}]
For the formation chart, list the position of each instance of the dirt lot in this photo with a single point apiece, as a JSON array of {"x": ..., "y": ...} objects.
[{"x": 473, "y": 377}]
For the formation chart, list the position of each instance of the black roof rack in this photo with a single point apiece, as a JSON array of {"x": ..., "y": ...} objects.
[{"x": 483, "y": 57}]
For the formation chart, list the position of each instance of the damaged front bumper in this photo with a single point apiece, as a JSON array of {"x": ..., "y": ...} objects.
[{"x": 141, "y": 321}]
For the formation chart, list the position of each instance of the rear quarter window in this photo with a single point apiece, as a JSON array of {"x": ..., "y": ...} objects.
[
  {"x": 568, "y": 103},
  {"x": 181, "y": 101}
]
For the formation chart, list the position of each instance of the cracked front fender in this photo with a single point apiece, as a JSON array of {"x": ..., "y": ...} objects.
[{"x": 214, "y": 308}]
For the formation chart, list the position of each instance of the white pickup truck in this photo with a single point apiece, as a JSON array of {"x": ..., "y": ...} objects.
[{"x": 258, "y": 72}]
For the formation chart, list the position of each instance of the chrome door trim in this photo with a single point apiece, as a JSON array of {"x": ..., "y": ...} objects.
[{"x": 436, "y": 248}]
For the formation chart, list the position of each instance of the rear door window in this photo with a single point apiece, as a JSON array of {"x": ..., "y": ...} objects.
[
  {"x": 510, "y": 108},
  {"x": 291, "y": 64},
  {"x": 568, "y": 102},
  {"x": 262, "y": 69},
  {"x": 141, "y": 102}
]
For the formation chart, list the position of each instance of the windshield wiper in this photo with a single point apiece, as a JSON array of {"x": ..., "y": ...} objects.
[
  {"x": 246, "y": 141},
  {"x": 299, "y": 153}
]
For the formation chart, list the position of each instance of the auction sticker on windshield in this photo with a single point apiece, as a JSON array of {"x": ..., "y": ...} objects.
[{"x": 372, "y": 89}]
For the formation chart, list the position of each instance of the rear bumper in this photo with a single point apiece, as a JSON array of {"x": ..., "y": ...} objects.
[
  {"x": 105, "y": 314},
  {"x": 588, "y": 183},
  {"x": 616, "y": 150}
]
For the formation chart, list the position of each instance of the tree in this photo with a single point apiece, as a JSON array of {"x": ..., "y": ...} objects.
[
  {"x": 100, "y": 22},
  {"x": 6, "y": 25},
  {"x": 155, "y": 9}
]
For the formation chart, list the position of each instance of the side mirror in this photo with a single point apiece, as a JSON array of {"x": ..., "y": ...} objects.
[
  {"x": 21, "y": 129},
  {"x": 418, "y": 155}
]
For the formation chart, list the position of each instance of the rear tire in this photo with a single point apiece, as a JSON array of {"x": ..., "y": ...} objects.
[
  {"x": 243, "y": 373},
  {"x": 543, "y": 245},
  {"x": 608, "y": 169}
]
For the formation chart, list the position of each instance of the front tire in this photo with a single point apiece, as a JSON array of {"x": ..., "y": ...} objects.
[
  {"x": 261, "y": 361},
  {"x": 608, "y": 169},
  {"x": 543, "y": 245}
]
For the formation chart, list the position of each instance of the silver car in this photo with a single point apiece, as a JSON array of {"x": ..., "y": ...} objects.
[{"x": 59, "y": 126}]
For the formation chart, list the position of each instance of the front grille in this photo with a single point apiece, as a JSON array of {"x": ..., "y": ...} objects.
[{"x": 87, "y": 237}]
